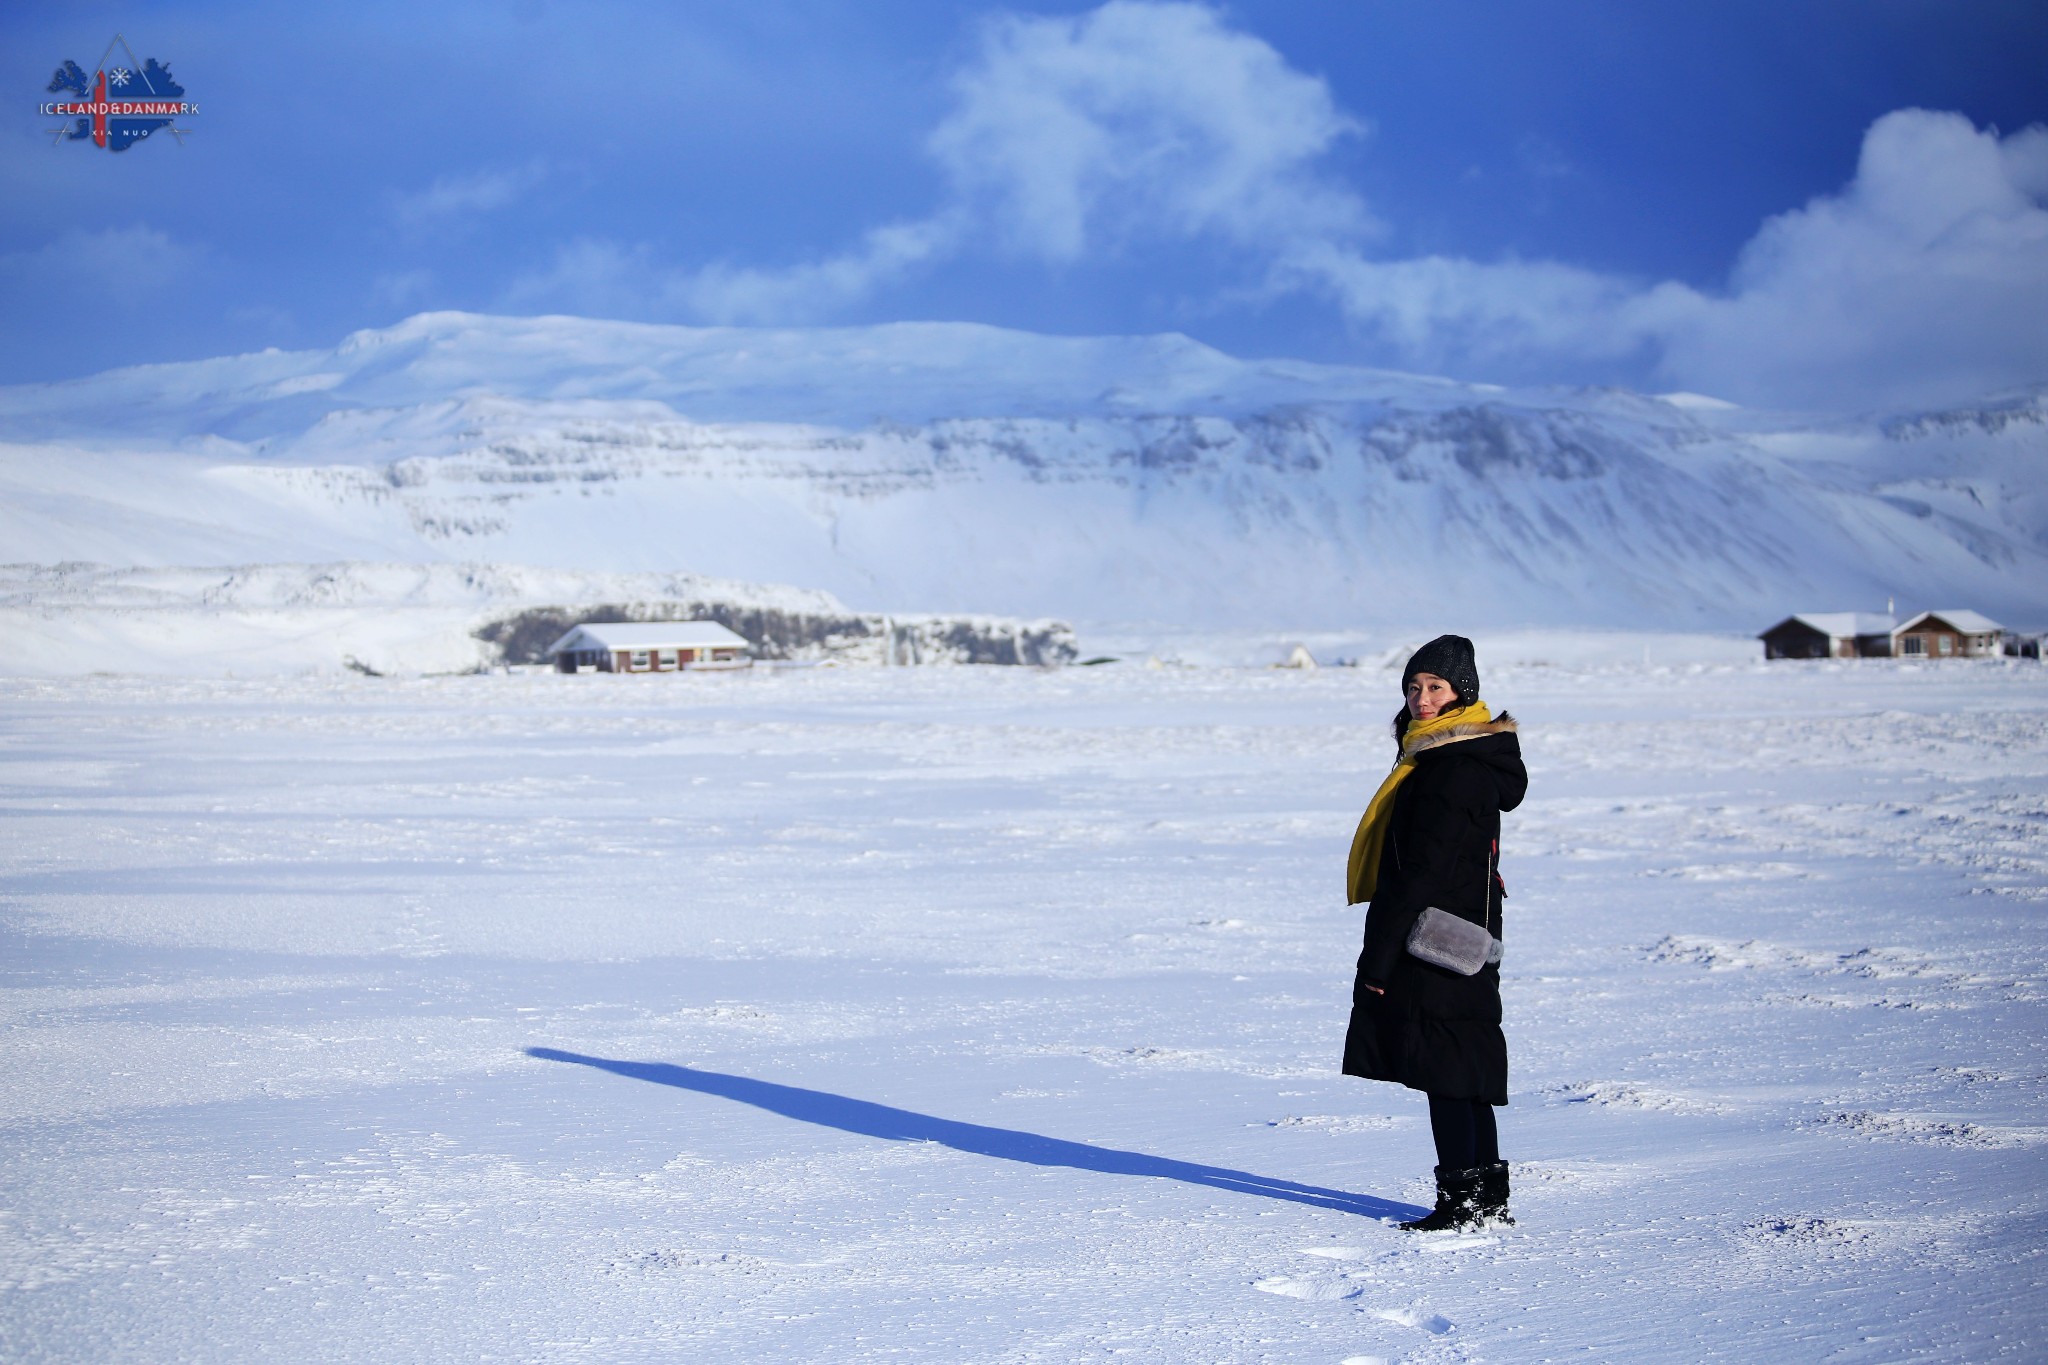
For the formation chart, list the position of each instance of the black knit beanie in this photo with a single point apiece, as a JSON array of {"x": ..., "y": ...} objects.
[{"x": 1450, "y": 657}]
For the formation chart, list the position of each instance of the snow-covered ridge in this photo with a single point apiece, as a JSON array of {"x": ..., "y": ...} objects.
[
  {"x": 2026, "y": 408},
  {"x": 957, "y": 468},
  {"x": 902, "y": 373}
]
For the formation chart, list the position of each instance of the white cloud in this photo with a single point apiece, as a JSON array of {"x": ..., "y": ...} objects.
[
  {"x": 454, "y": 197},
  {"x": 1142, "y": 120},
  {"x": 118, "y": 265},
  {"x": 403, "y": 289},
  {"x": 1069, "y": 137},
  {"x": 594, "y": 275},
  {"x": 723, "y": 293},
  {"x": 1925, "y": 279},
  {"x": 1438, "y": 312},
  {"x": 1081, "y": 138},
  {"x": 2025, "y": 154}
]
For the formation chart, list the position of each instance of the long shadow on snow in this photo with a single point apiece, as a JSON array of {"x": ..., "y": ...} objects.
[{"x": 901, "y": 1125}]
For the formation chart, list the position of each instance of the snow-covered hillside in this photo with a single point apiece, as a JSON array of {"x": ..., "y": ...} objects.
[{"x": 955, "y": 467}]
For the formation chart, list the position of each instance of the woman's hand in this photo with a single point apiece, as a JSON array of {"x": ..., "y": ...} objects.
[{"x": 1376, "y": 990}]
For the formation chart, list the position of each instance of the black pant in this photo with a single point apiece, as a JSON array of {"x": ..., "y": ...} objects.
[{"x": 1464, "y": 1132}]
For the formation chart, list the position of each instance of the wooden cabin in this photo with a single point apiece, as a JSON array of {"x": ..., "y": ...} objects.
[
  {"x": 1948, "y": 634},
  {"x": 1830, "y": 635},
  {"x": 649, "y": 647}
]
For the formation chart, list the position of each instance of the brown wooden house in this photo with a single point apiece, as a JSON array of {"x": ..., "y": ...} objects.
[
  {"x": 1947, "y": 634},
  {"x": 649, "y": 647}
]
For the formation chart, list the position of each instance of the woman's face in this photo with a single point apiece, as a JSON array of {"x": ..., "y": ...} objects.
[{"x": 1428, "y": 694}]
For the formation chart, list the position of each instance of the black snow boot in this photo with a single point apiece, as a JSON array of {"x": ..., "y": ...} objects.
[
  {"x": 1493, "y": 1194},
  {"x": 1457, "y": 1202}
]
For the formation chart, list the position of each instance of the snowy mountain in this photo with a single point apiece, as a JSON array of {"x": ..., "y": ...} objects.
[{"x": 947, "y": 467}]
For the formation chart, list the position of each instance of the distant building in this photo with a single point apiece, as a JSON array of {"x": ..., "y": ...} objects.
[
  {"x": 649, "y": 647},
  {"x": 1947, "y": 635},
  {"x": 2023, "y": 644},
  {"x": 1830, "y": 635}
]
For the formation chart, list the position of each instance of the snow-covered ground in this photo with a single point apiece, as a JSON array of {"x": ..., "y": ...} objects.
[{"x": 993, "y": 1014}]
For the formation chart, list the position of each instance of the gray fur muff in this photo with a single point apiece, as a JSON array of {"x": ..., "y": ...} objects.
[{"x": 1452, "y": 942}]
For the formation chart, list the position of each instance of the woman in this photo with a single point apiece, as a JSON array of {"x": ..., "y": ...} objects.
[{"x": 1431, "y": 838}]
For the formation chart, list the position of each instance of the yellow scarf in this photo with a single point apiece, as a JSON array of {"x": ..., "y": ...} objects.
[{"x": 1361, "y": 876}]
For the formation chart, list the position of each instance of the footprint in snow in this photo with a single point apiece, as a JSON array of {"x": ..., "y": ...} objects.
[
  {"x": 1324, "y": 1291},
  {"x": 1436, "y": 1324},
  {"x": 1337, "y": 1253}
]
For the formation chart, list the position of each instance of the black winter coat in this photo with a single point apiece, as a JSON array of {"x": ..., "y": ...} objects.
[{"x": 1434, "y": 1030}]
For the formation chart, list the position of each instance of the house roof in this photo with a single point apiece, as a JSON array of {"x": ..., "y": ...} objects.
[
  {"x": 1839, "y": 625},
  {"x": 649, "y": 635},
  {"x": 1968, "y": 622}
]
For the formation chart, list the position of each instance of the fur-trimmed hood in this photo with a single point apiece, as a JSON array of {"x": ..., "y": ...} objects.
[
  {"x": 1494, "y": 743},
  {"x": 1503, "y": 724}
]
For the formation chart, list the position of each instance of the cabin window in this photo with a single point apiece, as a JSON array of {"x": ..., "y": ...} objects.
[
  {"x": 667, "y": 659},
  {"x": 639, "y": 658},
  {"x": 1913, "y": 644},
  {"x": 1947, "y": 643}
]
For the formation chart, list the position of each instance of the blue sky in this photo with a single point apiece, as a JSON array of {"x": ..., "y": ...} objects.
[{"x": 1809, "y": 204}]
